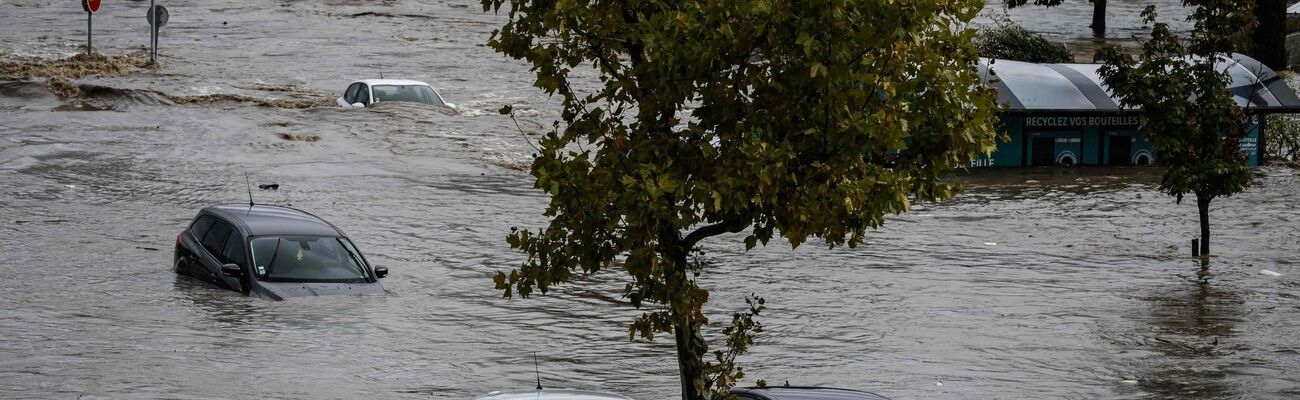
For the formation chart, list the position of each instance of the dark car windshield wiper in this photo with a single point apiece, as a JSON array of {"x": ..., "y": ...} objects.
[
  {"x": 271, "y": 265},
  {"x": 355, "y": 259}
]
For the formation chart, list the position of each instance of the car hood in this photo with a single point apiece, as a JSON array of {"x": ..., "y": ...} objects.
[{"x": 285, "y": 290}]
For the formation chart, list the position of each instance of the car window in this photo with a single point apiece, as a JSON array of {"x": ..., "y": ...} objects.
[
  {"x": 200, "y": 226},
  {"x": 306, "y": 259},
  {"x": 233, "y": 251},
  {"x": 407, "y": 93},
  {"x": 216, "y": 237},
  {"x": 351, "y": 95},
  {"x": 363, "y": 95}
]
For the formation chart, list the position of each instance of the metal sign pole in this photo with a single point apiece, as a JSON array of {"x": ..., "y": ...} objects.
[
  {"x": 153, "y": 36},
  {"x": 91, "y": 7}
]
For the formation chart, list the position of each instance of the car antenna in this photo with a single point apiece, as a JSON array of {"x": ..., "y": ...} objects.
[
  {"x": 537, "y": 371},
  {"x": 250, "y": 191}
]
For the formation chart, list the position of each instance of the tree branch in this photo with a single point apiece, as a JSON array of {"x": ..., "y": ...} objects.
[{"x": 727, "y": 226}]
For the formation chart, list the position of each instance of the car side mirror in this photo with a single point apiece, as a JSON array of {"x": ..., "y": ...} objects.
[
  {"x": 358, "y": 104},
  {"x": 381, "y": 272},
  {"x": 231, "y": 270}
]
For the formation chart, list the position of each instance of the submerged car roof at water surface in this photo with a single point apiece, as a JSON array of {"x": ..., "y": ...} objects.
[
  {"x": 551, "y": 394},
  {"x": 803, "y": 393},
  {"x": 237, "y": 246},
  {"x": 394, "y": 82},
  {"x": 262, "y": 220}
]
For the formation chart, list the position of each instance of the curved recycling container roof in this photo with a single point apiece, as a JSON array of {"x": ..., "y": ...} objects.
[{"x": 1077, "y": 88}]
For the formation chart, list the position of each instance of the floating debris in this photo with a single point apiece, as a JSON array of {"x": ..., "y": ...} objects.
[
  {"x": 390, "y": 15},
  {"x": 298, "y": 138},
  {"x": 77, "y": 66},
  {"x": 239, "y": 98},
  {"x": 1269, "y": 272},
  {"x": 62, "y": 87}
]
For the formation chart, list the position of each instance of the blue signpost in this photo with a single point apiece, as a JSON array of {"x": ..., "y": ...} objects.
[{"x": 157, "y": 17}]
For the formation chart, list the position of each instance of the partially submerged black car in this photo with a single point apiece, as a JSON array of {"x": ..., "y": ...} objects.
[
  {"x": 293, "y": 253},
  {"x": 803, "y": 393}
]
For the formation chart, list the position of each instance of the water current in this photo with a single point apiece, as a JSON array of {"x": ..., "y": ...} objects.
[{"x": 1032, "y": 284}]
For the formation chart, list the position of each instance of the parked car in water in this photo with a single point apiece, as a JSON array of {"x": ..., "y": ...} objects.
[
  {"x": 273, "y": 252},
  {"x": 367, "y": 92},
  {"x": 551, "y": 394},
  {"x": 803, "y": 393}
]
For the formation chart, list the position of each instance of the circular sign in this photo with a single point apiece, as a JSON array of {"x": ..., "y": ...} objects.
[
  {"x": 160, "y": 12},
  {"x": 91, "y": 6}
]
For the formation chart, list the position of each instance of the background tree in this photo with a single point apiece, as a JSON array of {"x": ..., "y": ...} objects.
[
  {"x": 1098, "y": 12},
  {"x": 1009, "y": 41},
  {"x": 1194, "y": 124},
  {"x": 688, "y": 119},
  {"x": 1268, "y": 40}
]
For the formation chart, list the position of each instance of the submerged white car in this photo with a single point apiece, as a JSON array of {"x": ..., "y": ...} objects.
[{"x": 367, "y": 92}]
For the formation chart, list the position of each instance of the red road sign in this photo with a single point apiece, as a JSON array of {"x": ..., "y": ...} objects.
[{"x": 91, "y": 6}]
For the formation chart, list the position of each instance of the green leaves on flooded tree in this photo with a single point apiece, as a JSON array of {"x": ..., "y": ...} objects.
[
  {"x": 1195, "y": 125},
  {"x": 724, "y": 372},
  {"x": 687, "y": 119}
]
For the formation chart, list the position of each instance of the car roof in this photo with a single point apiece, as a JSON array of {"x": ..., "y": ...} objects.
[
  {"x": 810, "y": 392},
  {"x": 260, "y": 220},
  {"x": 551, "y": 394},
  {"x": 394, "y": 82}
]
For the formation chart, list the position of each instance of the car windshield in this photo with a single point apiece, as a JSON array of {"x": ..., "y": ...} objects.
[
  {"x": 306, "y": 259},
  {"x": 407, "y": 93}
]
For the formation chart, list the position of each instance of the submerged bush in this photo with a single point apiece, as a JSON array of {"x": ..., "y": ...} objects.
[
  {"x": 1282, "y": 145},
  {"x": 1009, "y": 41}
]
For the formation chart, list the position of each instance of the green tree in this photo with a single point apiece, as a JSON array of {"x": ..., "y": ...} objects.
[
  {"x": 684, "y": 120},
  {"x": 1009, "y": 41},
  {"x": 1268, "y": 40},
  {"x": 1181, "y": 88},
  {"x": 1098, "y": 12},
  {"x": 1283, "y": 145}
]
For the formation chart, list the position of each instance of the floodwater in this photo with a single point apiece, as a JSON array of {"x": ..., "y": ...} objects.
[{"x": 1031, "y": 284}]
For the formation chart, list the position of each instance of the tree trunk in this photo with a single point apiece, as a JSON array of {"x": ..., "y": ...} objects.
[
  {"x": 1268, "y": 41},
  {"x": 1099, "y": 18},
  {"x": 690, "y": 344},
  {"x": 690, "y": 361},
  {"x": 1203, "y": 206}
]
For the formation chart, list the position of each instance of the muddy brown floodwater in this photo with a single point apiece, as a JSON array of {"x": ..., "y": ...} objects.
[{"x": 1031, "y": 284}]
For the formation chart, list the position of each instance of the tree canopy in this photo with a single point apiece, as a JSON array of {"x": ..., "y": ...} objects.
[
  {"x": 688, "y": 119},
  {"x": 1007, "y": 40},
  {"x": 1195, "y": 125}
]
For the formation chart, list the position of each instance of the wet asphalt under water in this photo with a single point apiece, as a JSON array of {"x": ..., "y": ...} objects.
[{"x": 1032, "y": 284}]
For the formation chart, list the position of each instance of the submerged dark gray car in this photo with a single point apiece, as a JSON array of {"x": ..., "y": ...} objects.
[
  {"x": 803, "y": 393},
  {"x": 273, "y": 252}
]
